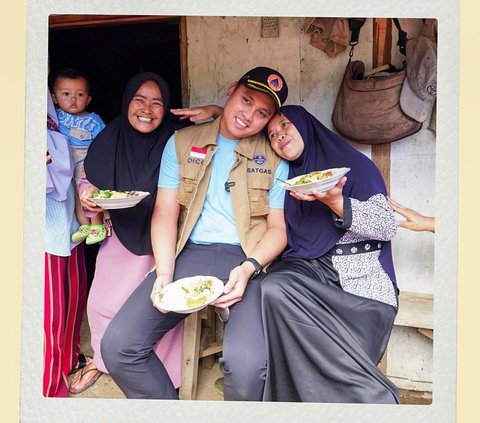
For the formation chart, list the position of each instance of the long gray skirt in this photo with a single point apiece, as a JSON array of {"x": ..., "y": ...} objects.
[{"x": 323, "y": 344}]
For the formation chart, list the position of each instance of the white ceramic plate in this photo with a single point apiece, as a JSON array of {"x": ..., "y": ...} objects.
[
  {"x": 120, "y": 203},
  {"x": 318, "y": 186},
  {"x": 173, "y": 296}
]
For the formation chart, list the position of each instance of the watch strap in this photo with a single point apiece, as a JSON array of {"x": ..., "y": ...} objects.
[{"x": 256, "y": 264}]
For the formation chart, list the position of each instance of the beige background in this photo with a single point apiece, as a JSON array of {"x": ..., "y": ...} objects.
[
  {"x": 13, "y": 39},
  {"x": 12, "y": 110}
]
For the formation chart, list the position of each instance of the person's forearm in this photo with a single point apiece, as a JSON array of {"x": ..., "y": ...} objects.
[
  {"x": 83, "y": 183},
  {"x": 271, "y": 246},
  {"x": 274, "y": 240},
  {"x": 164, "y": 236},
  {"x": 164, "y": 239},
  {"x": 337, "y": 206},
  {"x": 432, "y": 225}
]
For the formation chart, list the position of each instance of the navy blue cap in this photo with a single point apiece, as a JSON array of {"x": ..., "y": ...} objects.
[{"x": 268, "y": 81}]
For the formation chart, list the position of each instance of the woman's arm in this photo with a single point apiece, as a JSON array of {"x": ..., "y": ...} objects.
[
  {"x": 85, "y": 192},
  {"x": 333, "y": 198},
  {"x": 373, "y": 218},
  {"x": 198, "y": 114}
]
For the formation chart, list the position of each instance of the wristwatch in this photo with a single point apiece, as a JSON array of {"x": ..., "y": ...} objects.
[{"x": 256, "y": 264}]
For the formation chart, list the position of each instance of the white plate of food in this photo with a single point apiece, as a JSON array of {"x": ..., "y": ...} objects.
[
  {"x": 110, "y": 199},
  {"x": 190, "y": 294},
  {"x": 317, "y": 181}
]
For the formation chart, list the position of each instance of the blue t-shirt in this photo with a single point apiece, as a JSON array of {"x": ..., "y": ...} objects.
[
  {"x": 217, "y": 210},
  {"x": 80, "y": 130}
]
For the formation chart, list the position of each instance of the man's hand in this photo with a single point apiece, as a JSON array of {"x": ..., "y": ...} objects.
[
  {"x": 160, "y": 282},
  {"x": 236, "y": 285}
]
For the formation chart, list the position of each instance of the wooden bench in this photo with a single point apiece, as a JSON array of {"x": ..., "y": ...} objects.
[{"x": 415, "y": 310}]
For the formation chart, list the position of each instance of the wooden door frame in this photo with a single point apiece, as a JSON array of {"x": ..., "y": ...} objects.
[{"x": 81, "y": 21}]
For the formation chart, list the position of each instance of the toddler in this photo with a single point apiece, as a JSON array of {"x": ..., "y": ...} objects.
[{"x": 71, "y": 95}]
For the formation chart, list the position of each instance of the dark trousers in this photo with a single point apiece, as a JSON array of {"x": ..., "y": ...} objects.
[{"x": 138, "y": 325}]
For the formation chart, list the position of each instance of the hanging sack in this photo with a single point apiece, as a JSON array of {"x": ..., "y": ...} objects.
[{"x": 367, "y": 109}]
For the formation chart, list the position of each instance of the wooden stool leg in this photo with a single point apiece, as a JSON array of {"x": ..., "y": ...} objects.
[
  {"x": 191, "y": 349},
  {"x": 207, "y": 338}
]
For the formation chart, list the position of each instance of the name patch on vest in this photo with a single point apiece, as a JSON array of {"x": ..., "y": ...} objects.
[
  {"x": 194, "y": 161},
  {"x": 259, "y": 170}
]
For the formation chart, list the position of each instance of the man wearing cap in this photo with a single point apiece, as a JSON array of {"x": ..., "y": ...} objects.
[{"x": 218, "y": 212}]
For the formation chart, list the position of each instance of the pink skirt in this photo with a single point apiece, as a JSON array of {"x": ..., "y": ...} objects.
[{"x": 117, "y": 273}]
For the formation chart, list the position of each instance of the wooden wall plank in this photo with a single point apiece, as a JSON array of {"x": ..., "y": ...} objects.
[{"x": 382, "y": 46}]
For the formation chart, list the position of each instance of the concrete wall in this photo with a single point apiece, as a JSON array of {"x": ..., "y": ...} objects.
[{"x": 221, "y": 49}]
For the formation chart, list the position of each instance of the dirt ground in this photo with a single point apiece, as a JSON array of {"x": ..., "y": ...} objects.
[{"x": 105, "y": 387}]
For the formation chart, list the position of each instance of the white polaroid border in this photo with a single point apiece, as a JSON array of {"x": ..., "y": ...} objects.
[{"x": 36, "y": 408}]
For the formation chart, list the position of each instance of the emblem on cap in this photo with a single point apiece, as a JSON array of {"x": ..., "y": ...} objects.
[{"x": 275, "y": 82}]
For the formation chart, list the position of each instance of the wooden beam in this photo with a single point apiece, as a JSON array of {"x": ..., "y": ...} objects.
[
  {"x": 184, "y": 79},
  {"x": 382, "y": 42},
  {"x": 382, "y": 46},
  {"x": 426, "y": 332},
  {"x": 78, "y": 21},
  {"x": 213, "y": 348}
]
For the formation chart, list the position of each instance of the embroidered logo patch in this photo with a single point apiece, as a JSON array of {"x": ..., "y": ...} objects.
[
  {"x": 260, "y": 159},
  {"x": 198, "y": 153},
  {"x": 275, "y": 82}
]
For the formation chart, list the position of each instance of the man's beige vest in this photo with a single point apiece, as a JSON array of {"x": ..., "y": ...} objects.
[{"x": 253, "y": 174}]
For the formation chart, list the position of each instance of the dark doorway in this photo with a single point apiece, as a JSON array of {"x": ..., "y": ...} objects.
[{"x": 110, "y": 54}]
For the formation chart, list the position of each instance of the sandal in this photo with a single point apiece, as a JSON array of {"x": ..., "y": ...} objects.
[
  {"x": 81, "y": 234},
  {"x": 83, "y": 360},
  {"x": 96, "y": 375},
  {"x": 97, "y": 233}
]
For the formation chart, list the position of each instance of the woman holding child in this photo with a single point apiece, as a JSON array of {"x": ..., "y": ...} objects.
[
  {"x": 330, "y": 303},
  {"x": 126, "y": 156}
]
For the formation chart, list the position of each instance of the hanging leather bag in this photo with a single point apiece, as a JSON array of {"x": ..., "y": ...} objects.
[{"x": 367, "y": 109}]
